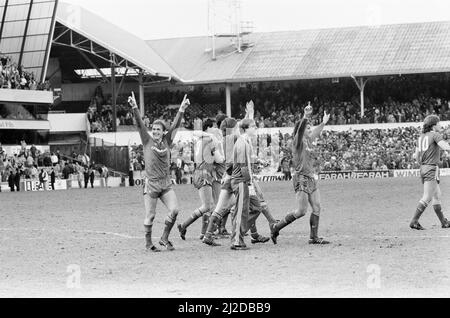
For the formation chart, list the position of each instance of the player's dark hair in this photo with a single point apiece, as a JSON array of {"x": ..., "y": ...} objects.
[
  {"x": 227, "y": 124},
  {"x": 160, "y": 123},
  {"x": 246, "y": 123},
  {"x": 430, "y": 122},
  {"x": 220, "y": 119},
  {"x": 209, "y": 123}
]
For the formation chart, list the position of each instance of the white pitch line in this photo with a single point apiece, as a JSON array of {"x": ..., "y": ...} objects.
[
  {"x": 126, "y": 236},
  {"x": 412, "y": 237},
  {"x": 334, "y": 237},
  {"x": 380, "y": 237}
]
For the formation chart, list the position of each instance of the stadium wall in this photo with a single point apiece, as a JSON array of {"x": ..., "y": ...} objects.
[
  {"x": 26, "y": 96},
  {"x": 64, "y": 185}
]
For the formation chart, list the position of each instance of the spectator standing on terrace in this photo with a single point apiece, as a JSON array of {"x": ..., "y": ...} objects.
[
  {"x": 53, "y": 179},
  {"x": 29, "y": 162},
  {"x": 91, "y": 176},
  {"x": 33, "y": 150},
  {"x": 12, "y": 180},
  {"x": 17, "y": 180},
  {"x": 105, "y": 175},
  {"x": 43, "y": 179},
  {"x": 79, "y": 172},
  {"x": 86, "y": 161},
  {"x": 54, "y": 159},
  {"x": 86, "y": 176},
  {"x": 47, "y": 160},
  {"x": 66, "y": 171},
  {"x": 179, "y": 170},
  {"x": 34, "y": 172}
]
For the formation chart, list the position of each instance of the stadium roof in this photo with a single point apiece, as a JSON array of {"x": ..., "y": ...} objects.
[
  {"x": 113, "y": 38},
  {"x": 310, "y": 54}
]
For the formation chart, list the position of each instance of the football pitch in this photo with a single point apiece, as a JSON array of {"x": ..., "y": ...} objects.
[{"x": 89, "y": 243}]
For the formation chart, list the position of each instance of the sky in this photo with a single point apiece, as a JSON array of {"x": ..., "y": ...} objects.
[{"x": 157, "y": 19}]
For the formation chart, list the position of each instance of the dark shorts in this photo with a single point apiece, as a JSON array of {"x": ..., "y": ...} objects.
[
  {"x": 227, "y": 186},
  {"x": 304, "y": 184},
  {"x": 202, "y": 178},
  {"x": 157, "y": 188},
  {"x": 430, "y": 173}
]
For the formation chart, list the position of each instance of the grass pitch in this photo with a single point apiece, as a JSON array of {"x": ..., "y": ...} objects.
[{"x": 45, "y": 236}]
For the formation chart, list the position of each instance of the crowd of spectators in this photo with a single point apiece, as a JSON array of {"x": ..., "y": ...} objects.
[
  {"x": 357, "y": 150},
  {"x": 394, "y": 99},
  {"x": 28, "y": 163},
  {"x": 353, "y": 150},
  {"x": 13, "y": 76},
  {"x": 163, "y": 105},
  {"x": 280, "y": 106}
]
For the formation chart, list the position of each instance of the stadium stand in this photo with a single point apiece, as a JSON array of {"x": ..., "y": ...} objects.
[
  {"x": 13, "y": 76},
  {"x": 353, "y": 150},
  {"x": 394, "y": 99},
  {"x": 281, "y": 72}
]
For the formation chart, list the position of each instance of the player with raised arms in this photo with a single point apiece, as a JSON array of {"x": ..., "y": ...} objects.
[
  {"x": 305, "y": 177},
  {"x": 227, "y": 200},
  {"x": 428, "y": 154},
  {"x": 207, "y": 153},
  {"x": 158, "y": 184},
  {"x": 226, "y": 197}
]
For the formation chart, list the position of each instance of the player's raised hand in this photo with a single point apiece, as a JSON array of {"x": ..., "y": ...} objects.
[
  {"x": 132, "y": 101},
  {"x": 326, "y": 118},
  {"x": 308, "y": 110},
  {"x": 185, "y": 104},
  {"x": 250, "y": 109}
]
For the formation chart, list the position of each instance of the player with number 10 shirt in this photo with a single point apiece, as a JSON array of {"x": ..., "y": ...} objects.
[{"x": 428, "y": 154}]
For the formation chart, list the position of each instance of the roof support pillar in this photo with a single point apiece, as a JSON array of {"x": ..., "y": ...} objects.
[
  {"x": 113, "y": 92},
  {"x": 141, "y": 94},
  {"x": 24, "y": 38},
  {"x": 228, "y": 98},
  {"x": 361, "y": 84}
]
